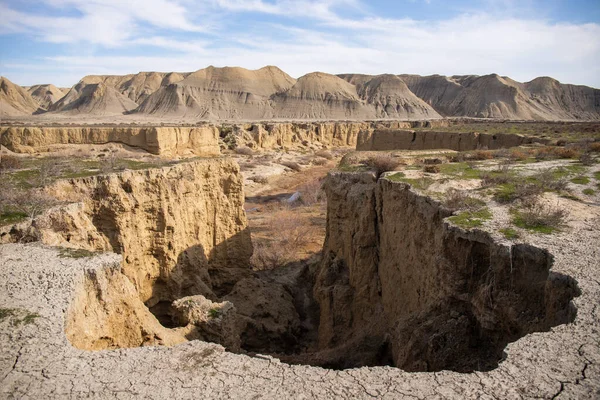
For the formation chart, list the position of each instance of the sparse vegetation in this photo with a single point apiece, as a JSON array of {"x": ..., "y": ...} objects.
[
  {"x": 589, "y": 192},
  {"x": 244, "y": 150},
  {"x": 262, "y": 179},
  {"x": 460, "y": 200},
  {"x": 539, "y": 217},
  {"x": 581, "y": 180},
  {"x": 510, "y": 233},
  {"x": 214, "y": 313},
  {"x": 8, "y": 162},
  {"x": 18, "y": 316},
  {"x": 324, "y": 154},
  {"x": 471, "y": 219},
  {"x": 382, "y": 163},
  {"x": 294, "y": 166},
  {"x": 67, "y": 252}
]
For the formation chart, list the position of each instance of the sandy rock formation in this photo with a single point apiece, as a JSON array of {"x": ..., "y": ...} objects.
[
  {"x": 320, "y": 96},
  {"x": 169, "y": 141},
  {"x": 395, "y": 139},
  {"x": 390, "y": 96},
  {"x": 493, "y": 96},
  {"x": 107, "y": 313},
  {"x": 14, "y": 100},
  {"x": 220, "y": 93},
  {"x": 46, "y": 95},
  {"x": 93, "y": 99},
  {"x": 202, "y": 319},
  {"x": 398, "y": 281},
  {"x": 181, "y": 229}
]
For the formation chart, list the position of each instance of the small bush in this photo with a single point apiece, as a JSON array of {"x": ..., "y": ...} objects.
[
  {"x": 471, "y": 219},
  {"x": 10, "y": 163},
  {"x": 460, "y": 200},
  {"x": 259, "y": 179},
  {"x": 381, "y": 164},
  {"x": 319, "y": 161},
  {"x": 586, "y": 159},
  {"x": 589, "y": 192},
  {"x": 312, "y": 193},
  {"x": 510, "y": 192},
  {"x": 481, "y": 155},
  {"x": 244, "y": 150},
  {"x": 538, "y": 217},
  {"x": 552, "y": 153},
  {"x": 594, "y": 147},
  {"x": 548, "y": 180},
  {"x": 432, "y": 169},
  {"x": 291, "y": 165}
]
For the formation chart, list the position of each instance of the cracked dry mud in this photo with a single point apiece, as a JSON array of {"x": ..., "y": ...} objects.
[{"x": 37, "y": 360}]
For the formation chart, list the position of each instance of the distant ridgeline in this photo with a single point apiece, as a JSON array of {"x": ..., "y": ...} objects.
[{"x": 233, "y": 93}]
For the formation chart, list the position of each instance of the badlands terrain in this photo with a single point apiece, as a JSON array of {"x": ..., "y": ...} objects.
[
  {"x": 238, "y": 94},
  {"x": 230, "y": 233}
]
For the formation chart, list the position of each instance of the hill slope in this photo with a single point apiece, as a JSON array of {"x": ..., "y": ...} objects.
[
  {"x": 93, "y": 99},
  {"x": 14, "y": 100},
  {"x": 493, "y": 96},
  {"x": 321, "y": 96},
  {"x": 220, "y": 93},
  {"x": 46, "y": 95},
  {"x": 390, "y": 96}
]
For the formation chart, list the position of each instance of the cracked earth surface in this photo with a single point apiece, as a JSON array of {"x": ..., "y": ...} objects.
[{"x": 37, "y": 360}]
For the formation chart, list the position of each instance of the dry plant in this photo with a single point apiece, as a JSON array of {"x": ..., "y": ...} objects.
[
  {"x": 244, "y": 150},
  {"x": 312, "y": 193},
  {"x": 382, "y": 163},
  {"x": 541, "y": 217},
  {"x": 8, "y": 162},
  {"x": 294, "y": 233},
  {"x": 460, "y": 200},
  {"x": 291, "y": 165},
  {"x": 259, "y": 179}
]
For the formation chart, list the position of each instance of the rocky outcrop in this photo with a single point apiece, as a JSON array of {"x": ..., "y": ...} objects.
[
  {"x": 107, "y": 313},
  {"x": 400, "y": 283},
  {"x": 181, "y": 229},
  {"x": 398, "y": 139},
  {"x": 45, "y": 95},
  {"x": 169, "y": 141}
]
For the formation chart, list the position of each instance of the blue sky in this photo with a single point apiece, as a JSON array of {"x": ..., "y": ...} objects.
[{"x": 60, "y": 41}]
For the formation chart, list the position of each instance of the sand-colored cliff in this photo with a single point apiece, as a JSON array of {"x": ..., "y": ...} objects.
[
  {"x": 169, "y": 141},
  {"x": 400, "y": 139},
  {"x": 181, "y": 229},
  {"x": 399, "y": 285}
]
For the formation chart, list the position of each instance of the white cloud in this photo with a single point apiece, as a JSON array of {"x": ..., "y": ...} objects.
[{"x": 477, "y": 43}]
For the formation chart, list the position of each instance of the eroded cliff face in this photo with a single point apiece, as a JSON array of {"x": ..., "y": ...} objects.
[
  {"x": 168, "y": 141},
  {"x": 401, "y": 139},
  {"x": 181, "y": 229},
  {"x": 400, "y": 286},
  {"x": 198, "y": 140}
]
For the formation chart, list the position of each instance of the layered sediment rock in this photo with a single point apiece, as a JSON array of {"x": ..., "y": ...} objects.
[
  {"x": 169, "y": 141},
  {"x": 399, "y": 139},
  {"x": 400, "y": 286}
]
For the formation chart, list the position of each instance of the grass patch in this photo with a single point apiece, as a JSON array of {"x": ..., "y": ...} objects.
[
  {"x": 65, "y": 252},
  {"x": 581, "y": 180},
  {"x": 509, "y": 233},
  {"x": 460, "y": 170},
  {"x": 8, "y": 217},
  {"x": 597, "y": 175},
  {"x": 471, "y": 219},
  {"x": 18, "y": 316},
  {"x": 417, "y": 183},
  {"x": 589, "y": 192},
  {"x": 214, "y": 313}
]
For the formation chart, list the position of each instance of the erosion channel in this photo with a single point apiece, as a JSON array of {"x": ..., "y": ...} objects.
[{"x": 396, "y": 284}]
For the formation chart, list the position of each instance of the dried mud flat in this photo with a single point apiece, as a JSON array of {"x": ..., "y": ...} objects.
[{"x": 37, "y": 360}]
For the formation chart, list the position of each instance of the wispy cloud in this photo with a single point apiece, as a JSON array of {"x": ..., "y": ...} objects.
[{"x": 302, "y": 36}]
